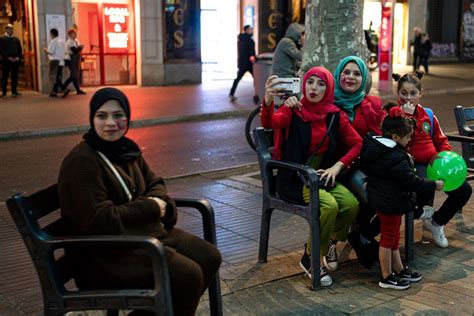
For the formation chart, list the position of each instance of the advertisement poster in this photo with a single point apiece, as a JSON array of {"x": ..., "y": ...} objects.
[
  {"x": 56, "y": 21},
  {"x": 385, "y": 45}
]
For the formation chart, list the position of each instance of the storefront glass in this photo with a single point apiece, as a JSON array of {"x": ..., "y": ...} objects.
[{"x": 107, "y": 31}]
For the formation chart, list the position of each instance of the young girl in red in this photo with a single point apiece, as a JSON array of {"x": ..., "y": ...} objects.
[
  {"x": 392, "y": 181},
  {"x": 427, "y": 141}
]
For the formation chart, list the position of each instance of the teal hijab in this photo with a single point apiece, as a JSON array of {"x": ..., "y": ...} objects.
[{"x": 345, "y": 100}]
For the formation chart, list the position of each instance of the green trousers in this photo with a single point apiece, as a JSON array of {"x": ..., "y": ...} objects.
[{"x": 338, "y": 208}]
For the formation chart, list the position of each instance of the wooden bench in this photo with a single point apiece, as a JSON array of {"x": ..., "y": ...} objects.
[{"x": 54, "y": 270}]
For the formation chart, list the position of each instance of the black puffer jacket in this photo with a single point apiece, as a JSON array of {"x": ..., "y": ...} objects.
[{"x": 392, "y": 176}]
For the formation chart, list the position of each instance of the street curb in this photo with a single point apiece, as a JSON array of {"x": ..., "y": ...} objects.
[{"x": 69, "y": 130}]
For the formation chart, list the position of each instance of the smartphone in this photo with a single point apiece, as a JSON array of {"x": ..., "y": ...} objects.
[{"x": 289, "y": 85}]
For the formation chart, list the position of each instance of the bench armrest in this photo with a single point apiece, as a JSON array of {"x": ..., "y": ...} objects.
[
  {"x": 207, "y": 213},
  {"x": 460, "y": 139},
  {"x": 310, "y": 176},
  {"x": 153, "y": 246}
]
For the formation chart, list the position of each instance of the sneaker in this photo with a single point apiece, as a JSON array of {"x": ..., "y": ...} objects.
[
  {"x": 53, "y": 95},
  {"x": 81, "y": 92},
  {"x": 393, "y": 281},
  {"x": 408, "y": 275},
  {"x": 232, "y": 98},
  {"x": 65, "y": 93},
  {"x": 437, "y": 232},
  {"x": 428, "y": 212},
  {"x": 330, "y": 259},
  {"x": 305, "y": 264},
  {"x": 16, "y": 94}
]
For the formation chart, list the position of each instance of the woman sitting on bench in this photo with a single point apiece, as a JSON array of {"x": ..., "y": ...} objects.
[
  {"x": 308, "y": 132},
  {"x": 106, "y": 187}
]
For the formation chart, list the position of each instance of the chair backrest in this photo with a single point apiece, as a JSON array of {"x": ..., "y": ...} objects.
[
  {"x": 264, "y": 141},
  {"x": 465, "y": 123},
  {"x": 25, "y": 212}
]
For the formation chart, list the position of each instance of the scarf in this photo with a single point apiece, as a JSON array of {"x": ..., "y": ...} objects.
[
  {"x": 119, "y": 151},
  {"x": 315, "y": 112},
  {"x": 345, "y": 100}
]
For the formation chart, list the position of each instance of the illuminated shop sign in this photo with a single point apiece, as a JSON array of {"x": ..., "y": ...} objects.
[{"x": 116, "y": 26}]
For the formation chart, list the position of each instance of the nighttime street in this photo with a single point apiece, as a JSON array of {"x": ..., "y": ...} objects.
[{"x": 171, "y": 84}]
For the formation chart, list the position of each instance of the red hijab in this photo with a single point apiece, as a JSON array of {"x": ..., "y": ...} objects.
[{"x": 315, "y": 111}]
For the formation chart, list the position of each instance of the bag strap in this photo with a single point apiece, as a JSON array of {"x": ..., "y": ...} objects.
[
  {"x": 117, "y": 175},
  {"x": 318, "y": 147},
  {"x": 431, "y": 116}
]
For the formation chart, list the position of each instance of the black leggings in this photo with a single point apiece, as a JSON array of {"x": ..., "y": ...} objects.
[{"x": 455, "y": 201}]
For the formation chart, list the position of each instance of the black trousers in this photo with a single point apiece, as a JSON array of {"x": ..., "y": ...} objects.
[
  {"x": 240, "y": 74},
  {"x": 416, "y": 61},
  {"x": 74, "y": 65},
  {"x": 192, "y": 263},
  {"x": 424, "y": 62},
  {"x": 56, "y": 75},
  {"x": 455, "y": 201},
  {"x": 7, "y": 68}
]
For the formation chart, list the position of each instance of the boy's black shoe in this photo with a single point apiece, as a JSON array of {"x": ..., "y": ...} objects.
[
  {"x": 393, "y": 281},
  {"x": 408, "y": 275}
]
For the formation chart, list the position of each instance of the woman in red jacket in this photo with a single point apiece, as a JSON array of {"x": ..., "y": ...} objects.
[
  {"x": 308, "y": 132},
  {"x": 366, "y": 115}
]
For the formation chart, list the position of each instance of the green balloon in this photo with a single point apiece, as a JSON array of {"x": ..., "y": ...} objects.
[{"x": 449, "y": 167}]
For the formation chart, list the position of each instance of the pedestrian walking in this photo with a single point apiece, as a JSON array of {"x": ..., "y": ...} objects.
[
  {"x": 56, "y": 52},
  {"x": 416, "y": 43},
  {"x": 73, "y": 60},
  {"x": 425, "y": 51},
  {"x": 10, "y": 49},
  {"x": 288, "y": 54},
  {"x": 246, "y": 58}
]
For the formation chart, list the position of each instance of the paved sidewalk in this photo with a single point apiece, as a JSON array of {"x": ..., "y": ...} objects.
[
  {"x": 279, "y": 287},
  {"x": 34, "y": 114}
]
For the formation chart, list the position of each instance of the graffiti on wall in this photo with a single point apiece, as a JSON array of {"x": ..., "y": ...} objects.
[
  {"x": 468, "y": 29},
  {"x": 443, "y": 50}
]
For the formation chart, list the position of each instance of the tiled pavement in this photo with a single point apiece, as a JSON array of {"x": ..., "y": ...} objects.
[{"x": 278, "y": 287}]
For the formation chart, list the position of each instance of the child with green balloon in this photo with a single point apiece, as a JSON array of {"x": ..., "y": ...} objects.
[
  {"x": 432, "y": 152},
  {"x": 392, "y": 179}
]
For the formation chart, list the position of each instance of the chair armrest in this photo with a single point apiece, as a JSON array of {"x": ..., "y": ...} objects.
[
  {"x": 308, "y": 173},
  {"x": 460, "y": 139},
  {"x": 207, "y": 213},
  {"x": 155, "y": 250}
]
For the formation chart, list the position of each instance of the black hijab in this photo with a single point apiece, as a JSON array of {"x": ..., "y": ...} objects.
[{"x": 119, "y": 151}]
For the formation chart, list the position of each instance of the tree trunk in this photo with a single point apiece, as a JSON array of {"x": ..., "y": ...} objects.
[{"x": 333, "y": 31}]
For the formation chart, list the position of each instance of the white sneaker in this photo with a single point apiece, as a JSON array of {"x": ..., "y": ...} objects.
[
  {"x": 428, "y": 212},
  {"x": 437, "y": 232},
  {"x": 326, "y": 279}
]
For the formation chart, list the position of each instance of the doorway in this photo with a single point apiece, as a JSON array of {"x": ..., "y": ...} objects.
[
  {"x": 219, "y": 30},
  {"x": 106, "y": 29}
]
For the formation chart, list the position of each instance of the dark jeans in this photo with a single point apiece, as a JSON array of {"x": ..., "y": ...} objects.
[
  {"x": 56, "y": 75},
  {"x": 455, "y": 201},
  {"x": 416, "y": 61},
  {"x": 74, "y": 67},
  {"x": 240, "y": 74},
  {"x": 8, "y": 67},
  {"x": 424, "y": 62}
]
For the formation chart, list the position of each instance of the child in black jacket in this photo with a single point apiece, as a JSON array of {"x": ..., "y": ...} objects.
[{"x": 391, "y": 183}]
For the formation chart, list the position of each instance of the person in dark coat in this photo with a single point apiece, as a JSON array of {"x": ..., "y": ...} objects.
[
  {"x": 425, "y": 51},
  {"x": 246, "y": 52},
  {"x": 288, "y": 54},
  {"x": 416, "y": 43},
  {"x": 391, "y": 183},
  {"x": 10, "y": 49},
  {"x": 95, "y": 199}
]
